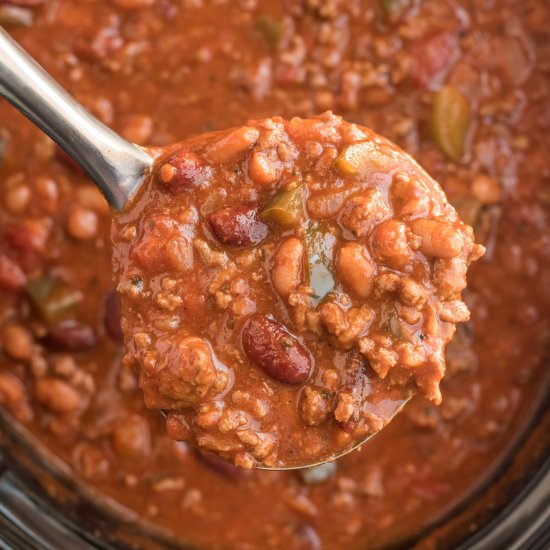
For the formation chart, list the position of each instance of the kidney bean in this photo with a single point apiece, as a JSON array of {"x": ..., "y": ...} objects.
[
  {"x": 238, "y": 226},
  {"x": 70, "y": 336},
  {"x": 183, "y": 170},
  {"x": 111, "y": 317},
  {"x": 277, "y": 352}
]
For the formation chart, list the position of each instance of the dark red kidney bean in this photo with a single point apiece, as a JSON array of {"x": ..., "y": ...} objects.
[
  {"x": 277, "y": 352},
  {"x": 70, "y": 336},
  {"x": 183, "y": 170},
  {"x": 238, "y": 226},
  {"x": 111, "y": 317}
]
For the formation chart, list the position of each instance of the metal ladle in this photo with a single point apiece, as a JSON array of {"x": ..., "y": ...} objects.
[{"x": 117, "y": 166}]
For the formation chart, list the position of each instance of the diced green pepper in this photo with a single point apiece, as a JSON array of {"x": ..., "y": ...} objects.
[
  {"x": 286, "y": 208},
  {"x": 53, "y": 299},
  {"x": 394, "y": 9},
  {"x": 272, "y": 30},
  {"x": 319, "y": 248},
  {"x": 451, "y": 118}
]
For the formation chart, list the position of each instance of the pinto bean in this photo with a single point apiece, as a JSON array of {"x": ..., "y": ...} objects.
[
  {"x": 131, "y": 439},
  {"x": 356, "y": 269},
  {"x": 286, "y": 274},
  {"x": 439, "y": 239},
  {"x": 277, "y": 352},
  {"x": 57, "y": 395},
  {"x": 16, "y": 199},
  {"x": 238, "y": 226},
  {"x": 235, "y": 143},
  {"x": 389, "y": 244},
  {"x": 263, "y": 168},
  {"x": 82, "y": 224},
  {"x": 17, "y": 342}
]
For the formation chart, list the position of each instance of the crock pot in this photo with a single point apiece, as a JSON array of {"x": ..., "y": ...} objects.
[{"x": 44, "y": 506}]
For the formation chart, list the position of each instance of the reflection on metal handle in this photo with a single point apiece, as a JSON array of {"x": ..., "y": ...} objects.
[{"x": 117, "y": 166}]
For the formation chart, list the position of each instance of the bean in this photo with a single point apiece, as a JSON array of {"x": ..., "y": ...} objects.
[
  {"x": 47, "y": 194},
  {"x": 57, "y": 395},
  {"x": 389, "y": 244},
  {"x": 17, "y": 199},
  {"x": 287, "y": 269},
  {"x": 183, "y": 171},
  {"x": 70, "y": 336},
  {"x": 262, "y": 169},
  {"x": 82, "y": 224},
  {"x": 131, "y": 438},
  {"x": 277, "y": 352},
  {"x": 238, "y": 226},
  {"x": 439, "y": 239},
  {"x": 356, "y": 269},
  {"x": 486, "y": 189},
  {"x": 111, "y": 318},
  {"x": 17, "y": 342},
  {"x": 235, "y": 143}
]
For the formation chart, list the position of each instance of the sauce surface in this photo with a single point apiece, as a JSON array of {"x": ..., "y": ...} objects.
[{"x": 158, "y": 71}]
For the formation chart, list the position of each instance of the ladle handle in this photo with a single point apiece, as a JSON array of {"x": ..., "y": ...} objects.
[{"x": 117, "y": 166}]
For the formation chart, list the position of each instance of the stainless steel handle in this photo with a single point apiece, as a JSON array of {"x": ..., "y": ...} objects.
[{"x": 117, "y": 166}]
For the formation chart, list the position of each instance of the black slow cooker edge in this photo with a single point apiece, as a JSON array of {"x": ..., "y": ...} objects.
[{"x": 27, "y": 521}]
